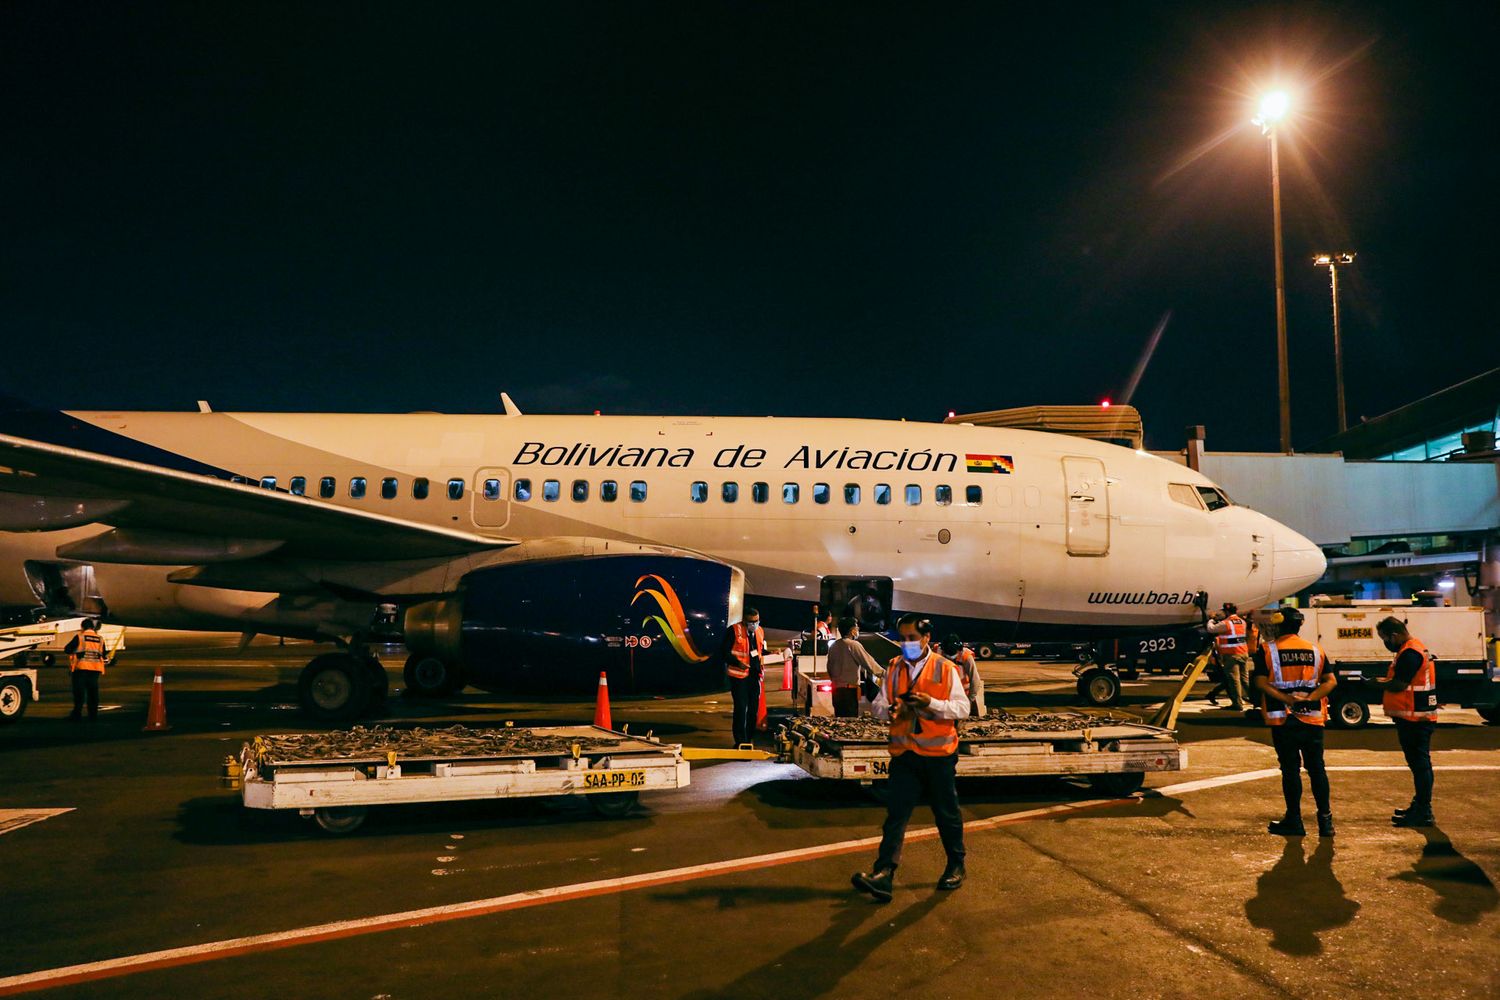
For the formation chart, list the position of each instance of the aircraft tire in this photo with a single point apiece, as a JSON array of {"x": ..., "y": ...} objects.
[
  {"x": 334, "y": 687},
  {"x": 425, "y": 676},
  {"x": 456, "y": 680}
]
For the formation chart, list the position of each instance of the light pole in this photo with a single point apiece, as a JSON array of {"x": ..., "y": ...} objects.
[
  {"x": 1273, "y": 108},
  {"x": 1332, "y": 262}
]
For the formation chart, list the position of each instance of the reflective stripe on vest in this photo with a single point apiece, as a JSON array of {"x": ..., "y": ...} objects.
[
  {"x": 1233, "y": 641},
  {"x": 1294, "y": 665},
  {"x": 91, "y": 652},
  {"x": 739, "y": 668},
  {"x": 928, "y": 737},
  {"x": 1418, "y": 703}
]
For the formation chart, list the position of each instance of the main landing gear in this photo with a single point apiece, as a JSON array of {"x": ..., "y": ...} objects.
[
  {"x": 430, "y": 677},
  {"x": 342, "y": 686}
]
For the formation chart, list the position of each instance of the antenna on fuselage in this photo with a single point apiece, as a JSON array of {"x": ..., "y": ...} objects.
[{"x": 511, "y": 409}]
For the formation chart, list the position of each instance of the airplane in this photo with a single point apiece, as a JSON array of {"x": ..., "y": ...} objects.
[{"x": 521, "y": 551}]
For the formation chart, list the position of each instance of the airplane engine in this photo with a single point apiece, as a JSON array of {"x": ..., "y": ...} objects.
[{"x": 652, "y": 622}]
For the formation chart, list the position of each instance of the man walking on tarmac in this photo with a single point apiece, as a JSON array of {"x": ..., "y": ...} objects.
[
  {"x": 1230, "y": 639},
  {"x": 744, "y": 652},
  {"x": 86, "y": 660},
  {"x": 923, "y": 696},
  {"x": 1410, "y": 699},
  {"x": 848, "y": 664},
  {"x": 1294, "y": 679}
]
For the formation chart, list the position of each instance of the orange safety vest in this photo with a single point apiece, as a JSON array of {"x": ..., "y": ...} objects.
[
  {"x": 1235, "y": 641},
  {"x": 739, "y": 666},
  {"x": 91, "y": 654},
  {"x": 1294, "y": 665},
  {"x": 964, "y": 661},
  {"x": 928, "y": 737},
  {"x": 1418, "y": 703}
]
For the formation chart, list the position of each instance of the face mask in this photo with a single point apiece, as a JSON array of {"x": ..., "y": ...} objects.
[
  {"x": 912, "y": 649},
  {"x": 752, "y": 626}
]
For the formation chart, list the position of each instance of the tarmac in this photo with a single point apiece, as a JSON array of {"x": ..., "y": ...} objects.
[{"x": 129, "y": 872}]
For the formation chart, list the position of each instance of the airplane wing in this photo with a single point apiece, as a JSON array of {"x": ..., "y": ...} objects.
[{"x": 47, "y": 487}]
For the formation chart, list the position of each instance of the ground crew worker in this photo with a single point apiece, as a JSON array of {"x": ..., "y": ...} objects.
[
  {"x": 1410, "y": 699},
  {"x": 849, "y": 663},
  {"x": 86, "y": 661},
  {"x": 1231, "y": 640},
  {"x": 968, "y": 667},
  {"x": 1294, "y": 678},
  {"x": 744, "y": 651},
  {"x": 923, "y": 696}
]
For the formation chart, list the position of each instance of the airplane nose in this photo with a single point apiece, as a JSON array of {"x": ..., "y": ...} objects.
[{"x": 1297, "y": 562}]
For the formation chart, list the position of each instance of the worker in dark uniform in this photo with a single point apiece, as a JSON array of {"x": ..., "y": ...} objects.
[
  {"x": 744, "y": 653},
  {"x": 1294, "y": 678},
  {"x": 1410, "y": 699},
  {"x": 923, "y": 696},
  {"x": 87, "y": 658}
]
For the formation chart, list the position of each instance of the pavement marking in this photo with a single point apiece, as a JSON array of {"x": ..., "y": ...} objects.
[
  {"x": 336, "y": 930},
  {"x": 12, "y": 820}
]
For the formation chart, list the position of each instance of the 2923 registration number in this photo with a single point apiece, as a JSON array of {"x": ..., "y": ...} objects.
[{"x": 613, "y": 780}]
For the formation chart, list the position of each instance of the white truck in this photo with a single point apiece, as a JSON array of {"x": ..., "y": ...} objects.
[{"x": 1467, "y": 674}]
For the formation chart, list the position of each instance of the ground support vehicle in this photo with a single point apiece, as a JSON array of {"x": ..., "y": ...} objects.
[
  {"x": 1167, "y": 651},
  {"x": 45, "y": 643},
  {"x": 335, "y": 777},
  {"x": 1113, "y": 754},
  {"x": 1059, "y": 652}
]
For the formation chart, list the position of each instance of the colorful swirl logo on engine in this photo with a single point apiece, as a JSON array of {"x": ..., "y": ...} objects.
[{"x": 672, "y": 621}]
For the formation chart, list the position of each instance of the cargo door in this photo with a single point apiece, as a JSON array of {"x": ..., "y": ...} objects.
[
  {"x": 490, "y": 492},
  {"x": 1087, "y": 491}
]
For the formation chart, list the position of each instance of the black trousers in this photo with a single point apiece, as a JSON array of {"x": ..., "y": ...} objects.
[
  {"x": 1299, "y": 745},
  {"x": 1416, "y": 745},
  {"x": 911, "y": 775},
  {"x": 846, "y": 702},
  {"x": 85, "y": 685},
  {"x": 745, "y": 692}
]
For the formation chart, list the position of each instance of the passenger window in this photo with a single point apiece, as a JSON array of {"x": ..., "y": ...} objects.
[
  {"x": 523, "y": 490},
  {"x": 913, "y": 495},
  {"x": 455, "y": 489},
  {"x": 268, "y": 482},
  {"x": 580, "y": 490},
  {"x": 326, "y": 487},
  {"x": 851, "y": 493},
  {"x": 790, "y": 492},
  {"x": 491, "y": 489},
  {"x": 239, "y": 479},
  {"x": 551, "y": 490},
  {"x": 943, "y": 495},
  {"x": 973, "y": 495},
  {"x": 638, "y": 492},
  {"x": 357, "y": 487},
  {"x": 299, "y": 486},
  {"x": 1212, "y": 499},
  {"x": 730, "y": 492},
  {"x": 821, "y": 493},
  {"x": 609, "y": 491},
  {"x": 760, "y": 492},
  {"x": 388, "y": 488},
  {"x": 883, "y": 493},
  {"x": 1184, "y": 494},
  {"x": 419, "y": 488},
  {"x": 698, "y": 493}
]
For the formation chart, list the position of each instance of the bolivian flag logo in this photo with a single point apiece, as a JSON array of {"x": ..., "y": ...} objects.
[{"x": 999, "y": 464}]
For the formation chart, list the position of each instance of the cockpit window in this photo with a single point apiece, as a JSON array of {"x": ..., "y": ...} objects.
[
  {"x": 1184, "y": 494},
  {"x": 1214, "y": 498}
]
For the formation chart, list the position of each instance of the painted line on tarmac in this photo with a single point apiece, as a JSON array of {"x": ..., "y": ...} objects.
[
  {"x": 231, "y": 947},
  {"x": 12, "y": 820}
]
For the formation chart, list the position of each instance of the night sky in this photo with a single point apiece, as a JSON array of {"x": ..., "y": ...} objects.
[{"x": 798, "y": 209}]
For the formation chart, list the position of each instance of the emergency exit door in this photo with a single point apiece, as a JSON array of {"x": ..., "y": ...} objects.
[
  {"x": 1087, "y": 491},
  {"x": 490, "y": 495}
]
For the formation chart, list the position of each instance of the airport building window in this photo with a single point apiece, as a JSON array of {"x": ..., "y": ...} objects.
[
  {"x": 883, "y": 493},
  {"x": 389, "y": 488},
  {"x": 760, "y": 492},
  {"x": 299, "y": 486},
  {"x": 790, "y": 492},
  {"x": 943, "y": 495},
  {"x": 699, "y": 492},
  {"x": 523, "y": 490},
  {"x": 268, "y": 482},
  {"x": 913, "y": 495},
  {"x": 730, "y": 492},
  {"x": 1183, "y": 494},
  {"x": 638, "y": 492},
  {"x": 357, "y": 487},
  {"x": 609, "y": 491},
  {"x": 326, "y": 487},
  {"x": 580, "y": 490},
  {"x": 821, "y": 493},
  {"x": 551, "y": 490},
  {"x": 1213, "y": 499},
  {"x": 851, "y": 493},
  {"x": 491, "y": 489},
  {"x": 419, "y": 488},
  {"x": 455, "y": 489},
  {"x": 973, "y": 495}
]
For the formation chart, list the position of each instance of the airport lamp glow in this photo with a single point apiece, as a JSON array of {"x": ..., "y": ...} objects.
[
  {"x": 1274, "y": 107},
  {"x": 1333, "y": 261}
]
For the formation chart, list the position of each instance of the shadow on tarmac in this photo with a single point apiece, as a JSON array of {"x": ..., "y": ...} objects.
[
  {"x": 1299, "y": 898},
  {"x": 1464, "y": 892}
]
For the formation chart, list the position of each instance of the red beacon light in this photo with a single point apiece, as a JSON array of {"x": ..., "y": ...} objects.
[{"x": 1104, "y": 404}]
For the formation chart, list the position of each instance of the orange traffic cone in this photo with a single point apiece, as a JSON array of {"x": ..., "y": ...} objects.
[
  {"x": 788, "y": 662},
  {"x": 760, "y": 711},
  {"x": 156, "y": 717},
  {"x": 601, "y": 703}
]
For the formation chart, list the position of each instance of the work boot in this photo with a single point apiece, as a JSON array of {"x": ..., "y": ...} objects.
[
  {"x": 953, "y": 876},
  {"x": 1325, "y": 824},
  {"x": 1415, "y": 817},
  {"x": 75, "y": 717},
  {"x": 877, "y": 883},
  {"x": 1403, "y": 810},
  {"x": 1287, "y": 826}
]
